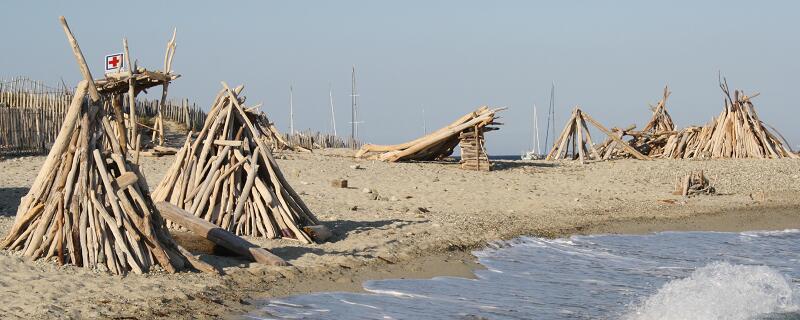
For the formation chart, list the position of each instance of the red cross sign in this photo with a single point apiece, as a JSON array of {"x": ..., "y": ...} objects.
[{"x": 114, "y": 62}]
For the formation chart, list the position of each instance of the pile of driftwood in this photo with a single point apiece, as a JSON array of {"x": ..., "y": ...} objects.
[
  {"x": 437, "y": 145},
  {"x": 650, "y": 141},
  {"x": 575, "y": 142},
  {"x": 89, "y": 206},
  {"x": 736, "y": 133},
  {"x": 229, "y": 177},
  {"x": 693, "y": 184}
]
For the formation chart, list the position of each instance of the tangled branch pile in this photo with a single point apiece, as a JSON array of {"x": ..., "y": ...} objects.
[{"x": 649, "y": 141}]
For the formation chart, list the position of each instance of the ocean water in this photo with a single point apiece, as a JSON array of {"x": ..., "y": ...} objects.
[{"x": 669, "y": 275}]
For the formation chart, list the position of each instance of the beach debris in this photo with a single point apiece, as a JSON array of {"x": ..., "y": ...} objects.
[
  {"x": 441, "y": 143},
  {"x": 228, "y": 176},
  {"x": 339, "y": 183},
  {"x": 356, "y": 167},
  {"x": 575, "y": 142},
  {"x": 366, "y": 190},
  {"x": 89, "y": 205},
  {"x": 694, "y": 183},
  {"x": 218, "y": 235},
  {"x": 737, "y": 132}
]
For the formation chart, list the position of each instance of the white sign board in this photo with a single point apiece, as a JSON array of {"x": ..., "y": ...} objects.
[{"x": 114, "y": 62}]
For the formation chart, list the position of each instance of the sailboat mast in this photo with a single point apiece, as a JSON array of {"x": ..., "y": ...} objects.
[
  {"x": 550, "y": 118},
  {"x": 333, "y": 113},
  {"x": 291, "y": 110},
  {"x": 536, "y": 130},
  {"x": 424, "y": 123},
  {"x": 353, "y": 125}
]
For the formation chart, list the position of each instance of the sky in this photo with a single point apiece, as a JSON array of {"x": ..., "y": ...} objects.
[{"x": 612, "y": 58}]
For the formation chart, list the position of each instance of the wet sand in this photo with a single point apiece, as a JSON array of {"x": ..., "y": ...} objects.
[{"x": 418, "y": 220}]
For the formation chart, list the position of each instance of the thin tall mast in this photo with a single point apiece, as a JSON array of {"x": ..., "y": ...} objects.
[
  {"x": 536, "y": 130},
  {"x": 354, "y": 109},
  {"x": 333, "y": 113},
  {"x": 551, "y": 117},
  {"x": 291, "y": 110},
  {"x": 424, "y": 123},
  {"x": 353, "y": 106}
]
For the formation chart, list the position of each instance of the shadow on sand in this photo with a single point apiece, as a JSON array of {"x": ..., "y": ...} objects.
[{"x": 9, "y": 200}]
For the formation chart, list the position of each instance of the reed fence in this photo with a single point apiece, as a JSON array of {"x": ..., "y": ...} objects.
[
  {"x": 318, "y": 140},
  {"x": 31, "y": 114}
]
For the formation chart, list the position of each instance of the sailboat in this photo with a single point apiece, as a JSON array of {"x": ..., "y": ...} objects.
[{"x": 536, "y": 152}]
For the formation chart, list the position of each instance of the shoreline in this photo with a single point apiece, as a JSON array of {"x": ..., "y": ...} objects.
[
  {"x": 463, "y": 263},
  {"x": 416, "y": 220}
]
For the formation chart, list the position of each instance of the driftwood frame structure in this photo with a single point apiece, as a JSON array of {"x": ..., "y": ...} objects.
[
  {"x": 575, "y": 141},
  {"x": 131, "y": 82}
]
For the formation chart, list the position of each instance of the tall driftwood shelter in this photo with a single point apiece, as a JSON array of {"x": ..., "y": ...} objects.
[
  {"x": 229, "y": 177},
  {"x": 89, "y": 206}
]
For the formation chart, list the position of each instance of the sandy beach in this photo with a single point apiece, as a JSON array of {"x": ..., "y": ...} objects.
[{"x": 401, "y": 220}]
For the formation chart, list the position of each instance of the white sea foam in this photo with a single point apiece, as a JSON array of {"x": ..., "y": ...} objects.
[
  {"x": 769, "y": 233},
  {"x": 721, "y": 291}
]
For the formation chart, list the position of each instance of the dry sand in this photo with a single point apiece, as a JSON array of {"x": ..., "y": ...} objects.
[{"x": 420, "y": 220}]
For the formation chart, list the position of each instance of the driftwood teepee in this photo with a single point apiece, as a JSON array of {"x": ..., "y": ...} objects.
[
  {"x": 437, "y": 145},
  {"x": 229, "y": 177},
  {"x": 736, "y": 133},
  {"x": 575, "y": 141},
  {"x": 89, "y": 206}
]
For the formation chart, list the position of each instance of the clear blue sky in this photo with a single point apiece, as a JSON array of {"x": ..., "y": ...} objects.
[{"x": 612, "y": 58}]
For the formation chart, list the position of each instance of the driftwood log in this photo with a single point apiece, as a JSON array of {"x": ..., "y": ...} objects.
[{"x": 218, "y": 235}]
